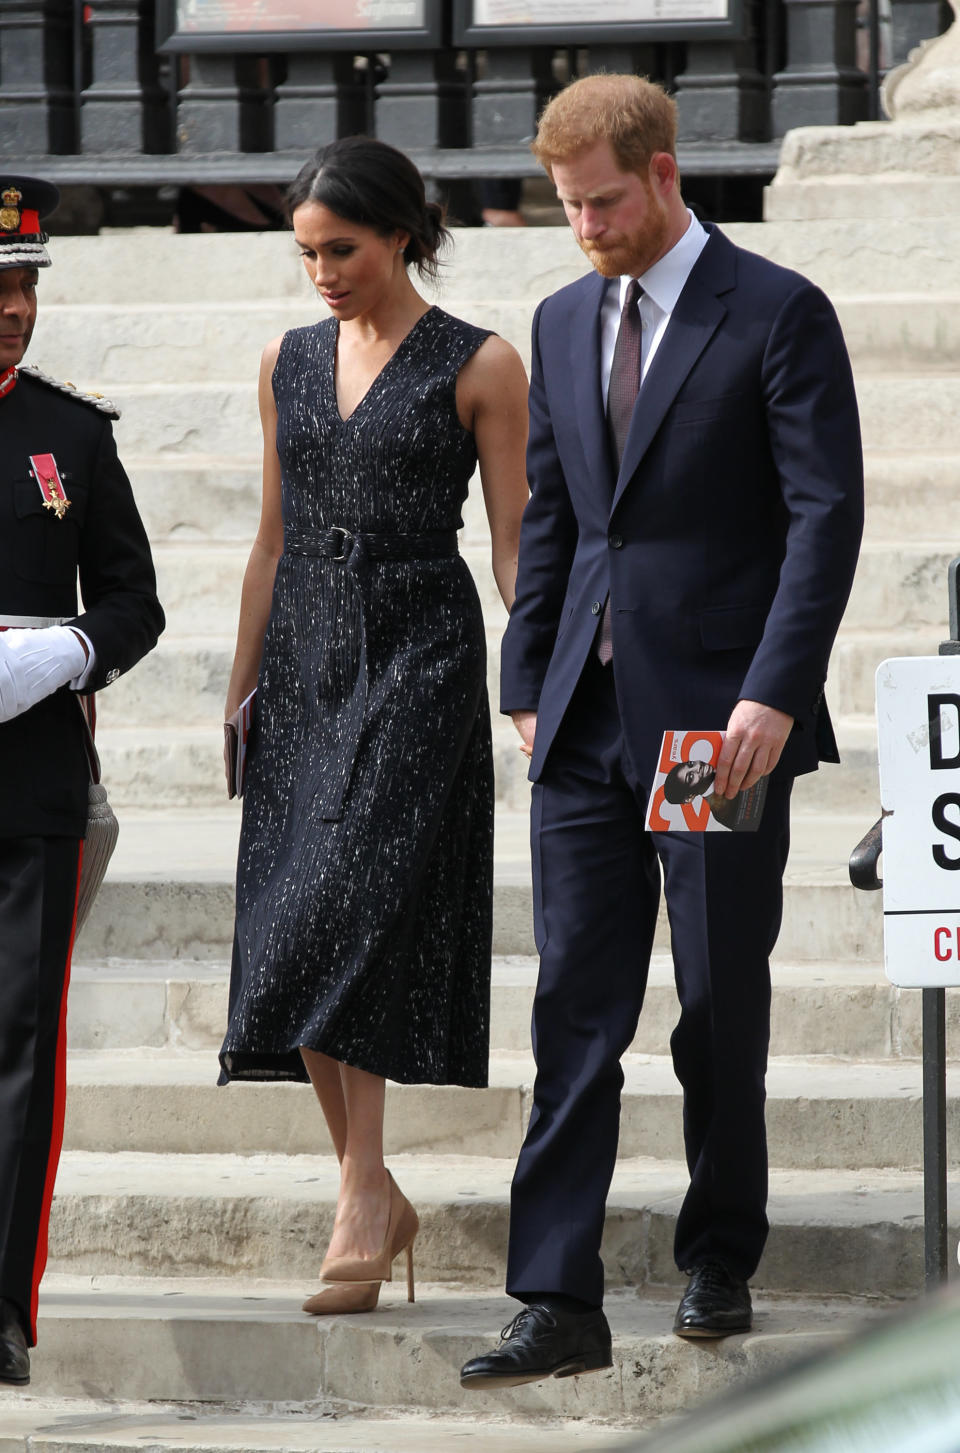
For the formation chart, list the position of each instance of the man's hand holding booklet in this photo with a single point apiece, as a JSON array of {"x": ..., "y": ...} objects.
[{"x": 684, "y": 799}]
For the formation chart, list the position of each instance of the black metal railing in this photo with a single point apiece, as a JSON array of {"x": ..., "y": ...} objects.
[{"x": 86, "y": 93}]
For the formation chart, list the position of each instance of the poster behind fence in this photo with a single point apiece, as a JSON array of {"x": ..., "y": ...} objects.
[
  {"x": 588, "y": 12},
  {"x": 223, "y": 16}
]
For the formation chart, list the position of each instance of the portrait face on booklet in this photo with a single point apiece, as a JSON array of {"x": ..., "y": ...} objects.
[{"x": 683, "y": 797}]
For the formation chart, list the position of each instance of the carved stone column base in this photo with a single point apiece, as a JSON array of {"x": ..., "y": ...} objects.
[
  {"x": 875, "y": 169},
  {"x": 928, "y": 86},
  {"x": 907, "y": 167}
]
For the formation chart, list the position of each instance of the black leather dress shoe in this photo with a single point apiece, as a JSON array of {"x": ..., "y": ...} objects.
[
  {"x": 14, "y": 1357},
  {"x": 714, "y": 1304},
  {"x": 541, "y": 1342}
]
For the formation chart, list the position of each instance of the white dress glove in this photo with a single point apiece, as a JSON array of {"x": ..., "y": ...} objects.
[{"x": 34, "y": 664}]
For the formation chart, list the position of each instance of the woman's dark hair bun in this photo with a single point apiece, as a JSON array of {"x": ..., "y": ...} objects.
[{"x": 370, "y": 183}]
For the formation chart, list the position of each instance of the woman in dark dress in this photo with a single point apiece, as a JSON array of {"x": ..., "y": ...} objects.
[{"x": 364, "y": 881}]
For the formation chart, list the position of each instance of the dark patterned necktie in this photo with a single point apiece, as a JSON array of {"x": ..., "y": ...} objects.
[
  {"x": 625, "y": 371},
  {"x": 621, "y": 397}
]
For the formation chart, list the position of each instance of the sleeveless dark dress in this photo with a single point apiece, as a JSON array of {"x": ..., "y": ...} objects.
[{"x": 364, "y": 880}]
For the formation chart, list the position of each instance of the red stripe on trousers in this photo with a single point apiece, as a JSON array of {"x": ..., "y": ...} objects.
[{"x": 56, "y": 1128}]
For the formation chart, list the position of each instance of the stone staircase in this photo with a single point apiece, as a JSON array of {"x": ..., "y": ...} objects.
[{"x": 190, "y": 1221}]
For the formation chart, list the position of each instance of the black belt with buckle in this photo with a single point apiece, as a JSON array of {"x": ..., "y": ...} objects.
[{"x": 338, "y": 543}]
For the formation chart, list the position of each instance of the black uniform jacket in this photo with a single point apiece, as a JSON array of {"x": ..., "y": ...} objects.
[{"x": 43, "y": 765}]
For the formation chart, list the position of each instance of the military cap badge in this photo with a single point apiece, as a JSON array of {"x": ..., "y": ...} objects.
[{"x": 10, "y": 199}]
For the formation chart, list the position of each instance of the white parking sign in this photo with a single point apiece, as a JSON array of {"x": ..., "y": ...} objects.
[{"x": 918, "y": 720}]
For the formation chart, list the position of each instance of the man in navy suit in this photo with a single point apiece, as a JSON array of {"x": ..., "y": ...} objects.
[{"x": 685, "y": 559}]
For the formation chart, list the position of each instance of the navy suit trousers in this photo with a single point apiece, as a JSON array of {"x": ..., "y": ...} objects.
[{"x": 596, "y": 879}]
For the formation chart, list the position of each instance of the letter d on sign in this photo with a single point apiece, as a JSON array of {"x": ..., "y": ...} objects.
[{"x": 935, "y": 705}]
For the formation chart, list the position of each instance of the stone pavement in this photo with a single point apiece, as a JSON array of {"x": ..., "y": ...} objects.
[{"x": 53, "y": 1425}]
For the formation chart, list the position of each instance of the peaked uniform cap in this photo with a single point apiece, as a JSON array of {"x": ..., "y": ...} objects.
[{"x": 24, "y": 202}]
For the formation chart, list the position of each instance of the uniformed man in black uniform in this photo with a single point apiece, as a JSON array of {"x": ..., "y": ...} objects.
[{"x": 65, "y": 507}]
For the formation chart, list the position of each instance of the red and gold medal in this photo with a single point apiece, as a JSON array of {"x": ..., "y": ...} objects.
[
  {"x": 8, "y": 380},
  {"x": 44, "y": 469}
]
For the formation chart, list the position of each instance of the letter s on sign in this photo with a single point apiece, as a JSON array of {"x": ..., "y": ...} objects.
[{"x": 943, "y": 824}]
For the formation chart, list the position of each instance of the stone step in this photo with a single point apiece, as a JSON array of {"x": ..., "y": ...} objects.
[
  {"x": 853, "y": 787},
  {"x": 188, "y": 674},
  {"x": 897, "y": 255},
  {"x": 163, "y": 342},
  {"x": 901, "y": 585},
  {"x": 154, "y": 916},
  {"x": 82, "y": 1425},
  {"x": 247, "y": 1340},
  {"x": 845, "y": 255},
  {"x": 898, "y": 583},
  {"x": 818, "y": 1009},
  {"x": 909, "y": 491},
  {"x": 167, "y": 418},
  {"x": 851, "y": 682},
  {"x": 184, "y": 680},
  {"x": 169, "y": 891},
  {"x": 220, "y": 418},
  {"x": 821, "y": 1112},
  {"x": 897, "y": 409},
  {"x": 901, "y": 332},
  {"x": 199, "y": 584},
  {"x": 217, "y": 497},
  {"x": 887, "y": 200},
  {"x": 832, "y": 1232},
  {"x": 198, "y": 496},
  {"x": 100, "y": 344},
  {"x": 180, "y": 767}
]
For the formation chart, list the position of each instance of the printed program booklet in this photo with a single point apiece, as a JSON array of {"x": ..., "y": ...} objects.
[
  {"x": 237, "y": 732},
  {"x": 683, "y": 799}
]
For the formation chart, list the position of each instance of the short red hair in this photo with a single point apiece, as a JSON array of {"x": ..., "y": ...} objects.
[{"x": 634, "y": 115}]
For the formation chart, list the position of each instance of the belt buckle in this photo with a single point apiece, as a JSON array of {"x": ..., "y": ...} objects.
[{"x": 348, "y": 542}]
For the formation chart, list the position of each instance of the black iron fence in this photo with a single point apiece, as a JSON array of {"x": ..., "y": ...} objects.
[{"x": 88, "y": 95}]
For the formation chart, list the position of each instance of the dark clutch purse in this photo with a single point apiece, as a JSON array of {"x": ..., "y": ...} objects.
[{"x": 238, "y": 735}]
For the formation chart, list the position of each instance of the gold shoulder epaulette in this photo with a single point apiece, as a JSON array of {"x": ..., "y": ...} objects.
[{"x": 96, "y": 401}]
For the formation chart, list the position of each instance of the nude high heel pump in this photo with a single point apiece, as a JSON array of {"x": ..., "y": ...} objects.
[
  {"x": 402, "y": 1228},
  {"x": 335, "y": 1301}
]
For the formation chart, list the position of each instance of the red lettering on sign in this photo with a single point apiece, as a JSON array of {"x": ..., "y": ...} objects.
[{"x": 941, "y": 945}]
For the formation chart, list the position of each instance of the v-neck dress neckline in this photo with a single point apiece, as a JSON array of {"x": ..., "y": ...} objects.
[{"x": 377, "y": 376}]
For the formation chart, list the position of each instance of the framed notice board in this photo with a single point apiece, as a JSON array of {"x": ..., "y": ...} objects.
[
  {"x": 284, "y": 25},
  {"x": 593, "y": 22}
]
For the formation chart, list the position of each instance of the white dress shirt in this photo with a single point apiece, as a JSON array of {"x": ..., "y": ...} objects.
[{"x": 662, "y": 285}]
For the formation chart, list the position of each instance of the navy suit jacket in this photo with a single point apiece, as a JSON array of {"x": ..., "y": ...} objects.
[{"x": 729, "y": 539}]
